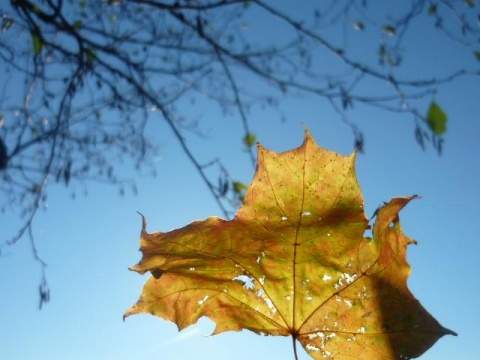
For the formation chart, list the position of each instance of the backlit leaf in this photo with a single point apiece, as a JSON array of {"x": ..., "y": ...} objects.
[
  {"x": 239, "y": 189},
  {"x": 294, "y": 262},
  {"x": 239, "y": 186},
  {"x": 37, "y": 43},
  {"x": 249, "y": 139},
  {"x": 437, "y": 119}
]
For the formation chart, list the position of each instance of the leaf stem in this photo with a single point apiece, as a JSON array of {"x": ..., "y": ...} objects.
[{"x": 294, "y": 340}]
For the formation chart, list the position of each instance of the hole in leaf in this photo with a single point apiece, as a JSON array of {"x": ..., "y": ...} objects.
[
  {"x": 246, "y": 280},
  {"x": 368, "y": 233}
]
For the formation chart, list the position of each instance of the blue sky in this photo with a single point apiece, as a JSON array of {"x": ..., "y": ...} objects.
[{"x": 89, "y": 242}]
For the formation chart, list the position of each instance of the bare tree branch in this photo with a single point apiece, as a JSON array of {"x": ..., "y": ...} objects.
[{"x": 89, "y": 76}]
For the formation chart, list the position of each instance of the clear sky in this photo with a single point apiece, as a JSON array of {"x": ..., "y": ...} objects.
[{"x": 89, "y": 242}]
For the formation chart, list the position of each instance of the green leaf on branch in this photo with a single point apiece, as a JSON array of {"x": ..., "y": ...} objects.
[
  {"x": 249, "y": 140},
  {"x": 239, "y": 189},
  {"x": 37, "y": 43},
  {"x": 437, "y": 119},
  {"x": 91, "y": 57},
  {"x": 239, "y": 186},
  {"x": 477, "y": 55}
]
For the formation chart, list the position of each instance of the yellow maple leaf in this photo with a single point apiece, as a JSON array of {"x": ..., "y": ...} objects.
[{"x": 294, "y": 262}]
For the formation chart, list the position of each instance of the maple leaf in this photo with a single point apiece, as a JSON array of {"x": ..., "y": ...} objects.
[{"x": 294, "y": 262}]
